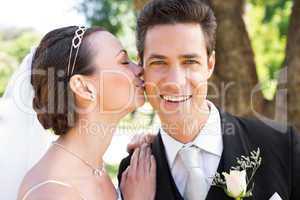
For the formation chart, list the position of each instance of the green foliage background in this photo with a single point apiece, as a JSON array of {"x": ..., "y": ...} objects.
[
  {"x": 267, "y": 23},
  {"x": 14, "y": 45}
]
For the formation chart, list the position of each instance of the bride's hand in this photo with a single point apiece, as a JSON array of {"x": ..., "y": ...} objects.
[
  {"x": 139, "y": 179},
  {"x": 138, "y": 140}
]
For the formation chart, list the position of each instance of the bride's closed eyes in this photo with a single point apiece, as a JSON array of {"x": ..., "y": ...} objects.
[
  {"x": 123, "y": 57},
  {"x": 125, "y": 61}
]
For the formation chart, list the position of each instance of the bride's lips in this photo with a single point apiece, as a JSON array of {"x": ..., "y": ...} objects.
[{"x": 139, "y": 83}]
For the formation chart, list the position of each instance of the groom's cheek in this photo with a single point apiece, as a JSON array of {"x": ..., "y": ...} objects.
[
  {"x": 199, "y": 86},
  {"x": 152, "y": 92}
]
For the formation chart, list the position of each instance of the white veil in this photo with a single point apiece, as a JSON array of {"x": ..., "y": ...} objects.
[{"x": 22, "y": 138}]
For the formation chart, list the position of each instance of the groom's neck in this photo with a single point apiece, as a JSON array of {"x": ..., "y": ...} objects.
[
  {"x": 185, "y": 131},
  {"x": 185, "y": 128}
]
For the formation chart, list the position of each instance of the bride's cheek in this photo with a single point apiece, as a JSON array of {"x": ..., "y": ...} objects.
[{"x": 114, "y": 91}]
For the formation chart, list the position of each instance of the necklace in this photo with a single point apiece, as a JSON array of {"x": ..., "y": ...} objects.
[{"x": 96, "y": 171}]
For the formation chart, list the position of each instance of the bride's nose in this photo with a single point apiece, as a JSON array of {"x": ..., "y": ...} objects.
[{"x": 137, "y": 70}]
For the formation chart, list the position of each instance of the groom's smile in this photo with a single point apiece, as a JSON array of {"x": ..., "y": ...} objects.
[
  {"x": 171, "y": 102},
  {"x": 176, "y": 99}
]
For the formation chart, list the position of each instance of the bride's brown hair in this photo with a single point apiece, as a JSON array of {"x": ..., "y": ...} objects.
[{"x": 53, "y": 99}]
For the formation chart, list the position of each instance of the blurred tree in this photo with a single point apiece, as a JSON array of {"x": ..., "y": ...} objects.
[
  {"x": 20, "y": 46},
  {"x": 7, "y": 66},
  {"x": 267, "y": 24},
  {"x": 14, "y": 45},
  {"x": 235, "y": 73},
  {"x": 17, "y": 42},
  {"x": 117, "y": 16},
  {"x": 292, "y": 62},
  {"x": 108, "y": 13},
  {"x": 237, "y": 57},
  {"x": 138, "y": 4}
]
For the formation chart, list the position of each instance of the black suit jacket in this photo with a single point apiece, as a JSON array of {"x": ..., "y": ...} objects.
[{"x": 279, "y": 171}]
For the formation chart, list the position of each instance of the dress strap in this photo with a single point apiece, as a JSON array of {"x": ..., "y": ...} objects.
[{"x": 35, "y": 187}]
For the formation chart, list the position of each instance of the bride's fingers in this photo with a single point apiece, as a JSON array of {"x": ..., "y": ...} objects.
[
  {"x": 149, "y": 138},
  {"x": 135, "y": 142},
  {"x": 153, "y": 166},
  {"x": 142, "y": 159},
  {"x": 148, "y": 160},
  {"x": 138, "y": 140},
  {"x": 134, "y": 159}
]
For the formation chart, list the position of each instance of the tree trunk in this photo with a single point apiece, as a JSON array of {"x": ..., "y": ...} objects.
[
  {"x": 235, "y": 75},
  {"x": 293, "y": 66},
  {"x": 138, "y": 4}
]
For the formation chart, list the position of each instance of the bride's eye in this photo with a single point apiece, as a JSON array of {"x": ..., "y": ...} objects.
[{"x": 125, "y": 63}]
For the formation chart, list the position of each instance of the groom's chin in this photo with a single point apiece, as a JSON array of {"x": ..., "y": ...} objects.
[{"x": 172, "y": 117}]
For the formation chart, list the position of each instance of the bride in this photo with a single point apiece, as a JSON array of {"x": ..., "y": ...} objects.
[{"x": 84, "y": 84}]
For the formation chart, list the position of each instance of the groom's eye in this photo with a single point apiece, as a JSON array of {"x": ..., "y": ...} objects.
[
  {"x": 191, "y": 62},
  {"x": 157, "y": 62}
]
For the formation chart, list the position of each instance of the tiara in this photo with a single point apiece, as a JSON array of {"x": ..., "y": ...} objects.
[{"x": 76, "y": 42}]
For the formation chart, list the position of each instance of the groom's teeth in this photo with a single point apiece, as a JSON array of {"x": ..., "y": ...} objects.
[{"x": 176, "y": 98}]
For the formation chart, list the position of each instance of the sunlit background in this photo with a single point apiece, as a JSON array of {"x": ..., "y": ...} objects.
[{"x": 41, "y": 16}]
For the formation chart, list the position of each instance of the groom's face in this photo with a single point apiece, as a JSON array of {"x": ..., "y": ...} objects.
[{"x": 177, "y": 68}]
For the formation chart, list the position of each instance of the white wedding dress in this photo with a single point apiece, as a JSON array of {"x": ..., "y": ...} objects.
[{"x": 22, "y": 138}]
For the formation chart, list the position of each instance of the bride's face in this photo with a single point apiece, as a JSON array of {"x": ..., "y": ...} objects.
[{"x": 117, "y": 80}]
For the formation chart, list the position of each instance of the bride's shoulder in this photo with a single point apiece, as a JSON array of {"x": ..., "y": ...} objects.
[
  {"x": 37, "y": 182},
  {"x": 48, "y": 192}
]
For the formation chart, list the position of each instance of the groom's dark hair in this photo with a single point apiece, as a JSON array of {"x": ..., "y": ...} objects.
[{"x": 159, "y": 12}]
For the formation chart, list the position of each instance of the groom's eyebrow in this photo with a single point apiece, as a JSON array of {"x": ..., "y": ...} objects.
[
  {"x": 189, "y": 56},
  {"x": 156, "y": 56}
]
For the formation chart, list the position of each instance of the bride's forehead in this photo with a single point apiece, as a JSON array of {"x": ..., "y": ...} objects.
[{"x": 104, "y": 40}]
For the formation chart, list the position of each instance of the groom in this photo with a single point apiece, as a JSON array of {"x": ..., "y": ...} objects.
[{"x": 176, "y": 41}]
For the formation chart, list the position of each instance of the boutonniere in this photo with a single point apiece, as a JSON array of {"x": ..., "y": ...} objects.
[{"x": 236, "y": 184}]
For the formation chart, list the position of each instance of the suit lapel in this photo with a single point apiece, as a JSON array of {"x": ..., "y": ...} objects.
[
  {"x": 235, "y": 144},
  {"x": 165, "y": 187}
]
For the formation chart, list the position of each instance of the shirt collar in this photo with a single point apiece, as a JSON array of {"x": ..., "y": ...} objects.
[{"x": 209, "y": 139}]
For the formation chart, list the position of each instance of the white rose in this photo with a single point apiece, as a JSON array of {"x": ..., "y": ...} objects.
[{"x": 236, "y": 183}]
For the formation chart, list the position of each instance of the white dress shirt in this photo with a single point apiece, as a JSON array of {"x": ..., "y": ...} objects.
[{"x": 209, "y": 140}]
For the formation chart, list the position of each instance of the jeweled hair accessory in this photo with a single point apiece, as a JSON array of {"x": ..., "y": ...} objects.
[{"x": 76, "y": 42}]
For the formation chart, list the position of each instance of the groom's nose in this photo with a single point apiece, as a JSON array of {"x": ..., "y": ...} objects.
[{"x": 175, "y": 78}]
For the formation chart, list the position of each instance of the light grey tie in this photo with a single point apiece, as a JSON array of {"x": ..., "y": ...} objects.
[{"x": 196, "y": 186}]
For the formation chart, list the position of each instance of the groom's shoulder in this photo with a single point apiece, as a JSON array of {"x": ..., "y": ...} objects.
[{"x": 264, "y": 131}]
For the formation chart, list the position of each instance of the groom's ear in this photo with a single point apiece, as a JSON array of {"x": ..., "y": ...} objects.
[
  {"x": 82, "y": 87},
  {"x": 211, "y": 64}
]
